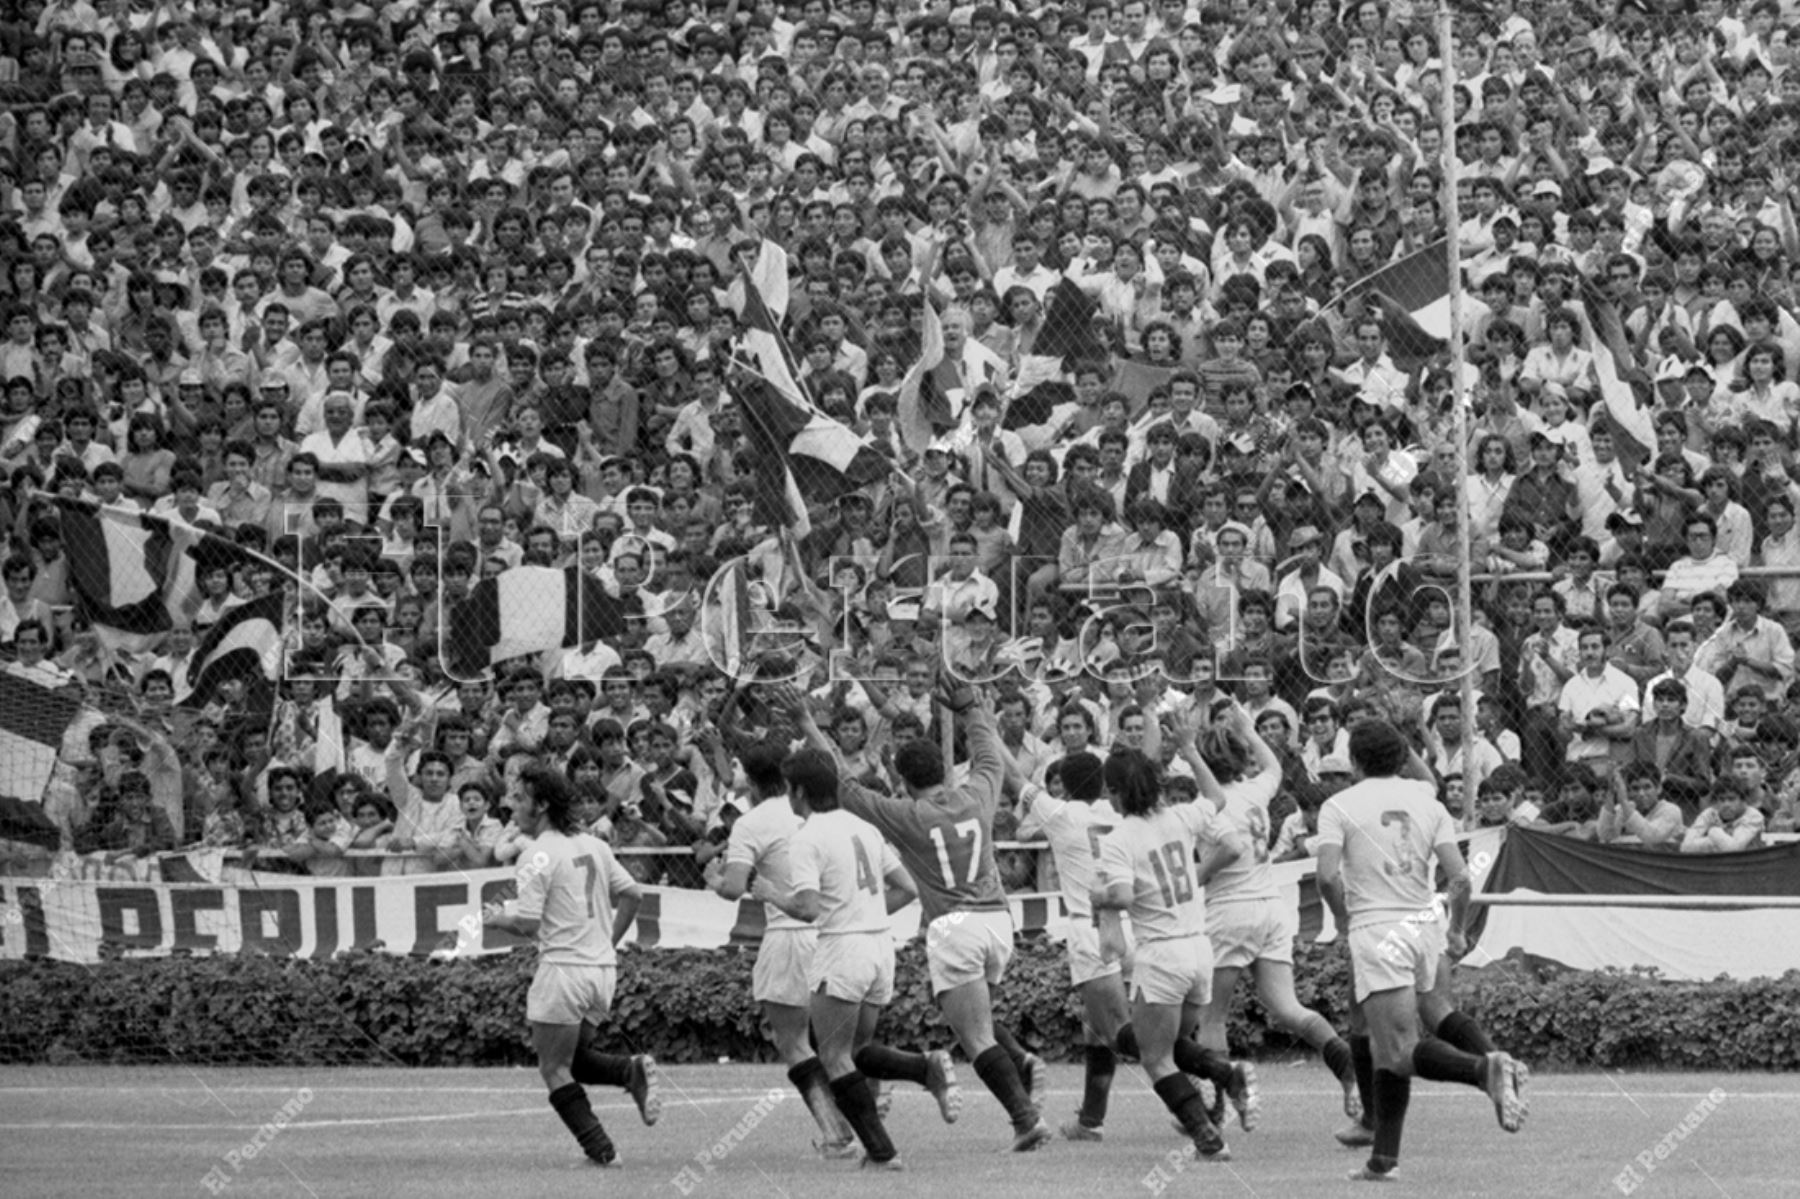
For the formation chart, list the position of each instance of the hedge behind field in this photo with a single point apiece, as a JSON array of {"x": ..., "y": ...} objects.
[{"x": 694, "y": 1006}]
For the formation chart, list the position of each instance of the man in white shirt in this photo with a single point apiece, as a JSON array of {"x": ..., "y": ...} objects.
[
  {"x": 343, "y": 459},
  {"x": 964, "y": 600},
  {"x": 1598, "y": 705},
  {"x": 1705, "y": 694},
  {"x": 1704, "y": 569}
]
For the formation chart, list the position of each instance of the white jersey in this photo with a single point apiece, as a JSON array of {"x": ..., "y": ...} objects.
[
  {"x": 1074, "y": 830},
  {"x": 568, "y": 885},
  {"x": 1389, "y": 830},
  {"x": 1246, "y": 812},
  {"x": 760, "y": 840},
  {"x": 845, "y": 860},
  {"x": 1158, "y": 855}
]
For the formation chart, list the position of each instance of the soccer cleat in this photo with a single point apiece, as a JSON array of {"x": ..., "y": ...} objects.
[
  {"x": 1209, "y": 1144},
  {"x": 1355, "y": 1135},
  {"x": 1037, "y": 1080},
  {"x": 1037, "y": 1135},
  {"x": 892, "y": 1163},
  {"x": 603, "y": 1154},
  {"x": 1075, "y": 1130},
  {"x": 645, "y": 1088},
  {"x": 837, "y": 1150},
  {"x": 1244, "y": 1096},
  {"x": 1368, "y": 1173},
  {"x": 1521, "y": 1076},
  {"x": 1502, "y": 1088},
  {"x": 940, "y": 1080},
  {"x": 1215, "y": 1106}
]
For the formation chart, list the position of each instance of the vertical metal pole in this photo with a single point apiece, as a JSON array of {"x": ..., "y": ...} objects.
[{"x": 1465, "y": 592}]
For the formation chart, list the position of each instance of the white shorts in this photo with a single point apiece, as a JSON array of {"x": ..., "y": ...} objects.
[
  {"x": 570, "y": 994},
  {"x": 961, "y": 947},
  {"x": 1400, "y": 953},
  {"x": 1260, "y": 930},
  {"x": 1178, "y": 970},
  {"x": 853, "y": 967},
  {"x": 782, "y": 961},
  {"x": 1083, "y": 946}
]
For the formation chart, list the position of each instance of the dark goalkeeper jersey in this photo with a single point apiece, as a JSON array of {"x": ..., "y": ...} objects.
[{"x": 946, "y": 841}]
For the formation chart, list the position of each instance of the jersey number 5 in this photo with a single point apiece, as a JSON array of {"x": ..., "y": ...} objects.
[
  {"x": 1176, "y": 886},
  {"x": 965, "y": 851}
]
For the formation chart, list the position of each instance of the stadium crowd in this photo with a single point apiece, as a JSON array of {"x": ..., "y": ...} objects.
[{"x": 399, "y": 298}]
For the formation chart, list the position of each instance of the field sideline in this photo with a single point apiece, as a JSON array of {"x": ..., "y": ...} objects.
[{"x": 400, "y": 1134}]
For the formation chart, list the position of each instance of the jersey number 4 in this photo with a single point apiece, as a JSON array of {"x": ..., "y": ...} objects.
[
  {"x": 963, "y": 851},
  {"x": 1171, "y": 870},
  {"x": 865, "y": 873}
]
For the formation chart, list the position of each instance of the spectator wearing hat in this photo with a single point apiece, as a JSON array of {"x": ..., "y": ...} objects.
[{"x": 1305, "y": 547}]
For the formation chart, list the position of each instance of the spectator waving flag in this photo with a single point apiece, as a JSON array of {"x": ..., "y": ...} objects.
[
  {"x": 767, "y": 280},
  {"x": 527, "y": 610},
  {"x": 33, "y": 719},
  {"x": 130, "y": 572},
  {"x": 244, "y": 644},
  {"x": 801, "y": 457}
]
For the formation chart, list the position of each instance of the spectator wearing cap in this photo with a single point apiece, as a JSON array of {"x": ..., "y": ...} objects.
[
  {"x": 1305, "y": 546},
  {"x": 1749, "y": 649}
]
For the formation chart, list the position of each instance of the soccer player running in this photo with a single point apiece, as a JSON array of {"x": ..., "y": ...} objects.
[
  {"x": 577, "y": 900},
  {"x": 760, "y": 842},
  {"x": 1147, "y": 870},
  {"x": 843, "y": 878},
  {"x": 1247, "y": 922},
  {"x": 1378, "y": 840},
  {"x": 944, "y": 836}
]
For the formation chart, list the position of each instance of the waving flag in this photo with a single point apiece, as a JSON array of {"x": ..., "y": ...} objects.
[
  {"x": 1413, "y": 298},
  {"x": 131, "y": 573},
  {"x": 802, "y": 457},
  {"x": 33, "y": 719},
  {"x": 527, "y": 610},
  {"x": 245, "y": 643}
]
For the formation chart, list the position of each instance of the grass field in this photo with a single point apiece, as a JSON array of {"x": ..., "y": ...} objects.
[{"x": 399, "y": 1134}]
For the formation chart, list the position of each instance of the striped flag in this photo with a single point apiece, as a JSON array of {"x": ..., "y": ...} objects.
[
  {"x": 767, "y": 349},
  {"x": 246, "y": 642},
  {"x": 736, "y": 622},
  {"x": 1414, "y": 299},
  {"x": 33, "y": 719},
  {"x": 1625, "y": 389},
  {"x": 527, "y": 610},
  {"x": 802, "y": 457},
  {"x": 131, "y": 572},
  {"x": 768, "y": 279},
  {"x": 918, "y": 425}
]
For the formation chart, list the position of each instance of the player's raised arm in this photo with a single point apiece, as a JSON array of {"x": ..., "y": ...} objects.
[
  {"x": 1182, "y": 729},
  {"x": 987, "y": 757}
]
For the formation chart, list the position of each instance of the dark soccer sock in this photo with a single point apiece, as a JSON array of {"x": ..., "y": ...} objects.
[
  {"x": 1392, "y": 1093},
  {"x": 858, "y": 1106},
  {"x": 814, "y": 1085},
  {"x": 1441, "y": 1061},
  {"x": 1097, "y": 1085},
  {"x": 1126, "y": 1042},
  {"x": 884, "y": 1061},
  {"x": 1000, "y": 1076},
  {"x": 1337, "y": 1055},
  {"x": 1179, "y": 1095},
  {"x": 1003, "y": 1037},
  {"x": 1192, "y": 1058},
  {"x": 595, "y": 1069},
  {"x": 571, "y": 1104},
  {"x": 1462, "y": 1031},
  {"x": 1362, "y": 1060}
]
